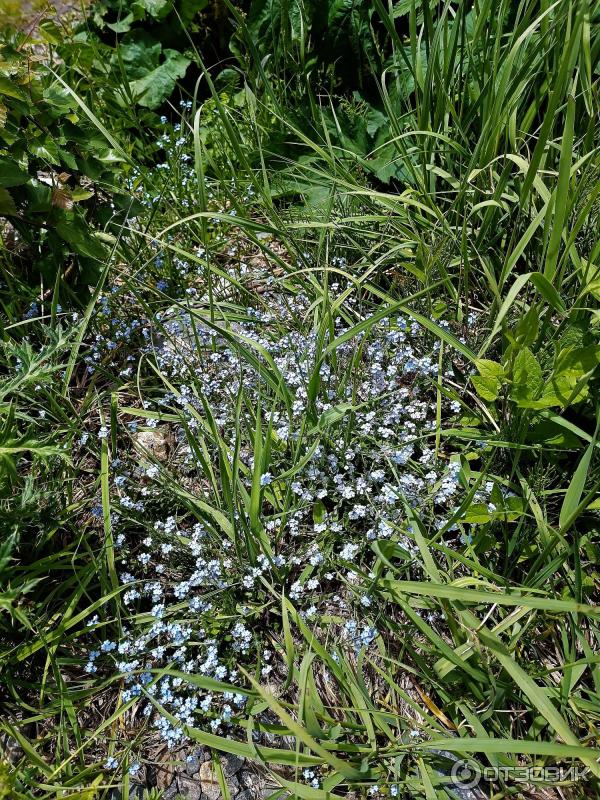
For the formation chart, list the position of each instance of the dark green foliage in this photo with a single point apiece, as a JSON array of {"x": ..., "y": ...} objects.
[
  {"x": 141, "y": 50},
  {"x": 56, "y": 174}
]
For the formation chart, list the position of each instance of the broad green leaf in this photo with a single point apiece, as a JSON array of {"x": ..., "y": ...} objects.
[
  {"x": 11, "y": 174},
  {"x": 140, "y": 54},
  {"x": 567, "y": 383},
  {"x": 189, "y": 8},
  {"x": 510, "y": 511},
  {"x": 527, "y": 378},
  {"x": 156, "y": 8},
  {"x": 333, "y": 415},
  {"x": 122, "y": 25},
  {"x": 46, "y": 149},
  {"x": 9, "y": 88},
  {"x": 490, "y": 379},
  {"x": 156, "y": 86},
  {"x": 82, "y": 239},
  {"x": 578, "y": 361}
]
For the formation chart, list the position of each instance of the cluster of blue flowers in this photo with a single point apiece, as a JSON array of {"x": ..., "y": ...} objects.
[
  {"x": 180, "y": 576},
  {"x": 352, "y": 457}
]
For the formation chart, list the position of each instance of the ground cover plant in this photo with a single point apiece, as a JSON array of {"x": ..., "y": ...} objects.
[{"x": 299, "y": 346}]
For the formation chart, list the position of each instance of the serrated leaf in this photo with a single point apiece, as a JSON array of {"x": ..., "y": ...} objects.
[{"x": 402, "y": 8}]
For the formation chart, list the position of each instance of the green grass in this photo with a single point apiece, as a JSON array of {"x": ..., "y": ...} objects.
[{"x": 475, "y": 216}]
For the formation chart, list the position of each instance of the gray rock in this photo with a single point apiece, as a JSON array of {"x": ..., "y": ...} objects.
[
  {"x": 251, "y": 782},
  {"x": 254, "y": 785},
  {"x": 231, "y": 765},
  {"x": 263, "y": 794},
  {"x": 192, "y": 765},
  {"x": 170, "y": 791},
  {"x": 10, "y": 748},
  {"x": 188, "y": 787}
]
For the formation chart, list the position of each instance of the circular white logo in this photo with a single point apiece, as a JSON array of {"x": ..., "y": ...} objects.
[{"x": 465, "y": 773}]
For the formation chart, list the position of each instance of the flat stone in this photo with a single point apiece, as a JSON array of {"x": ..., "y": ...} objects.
[
  {"x": 153, "y": 441},
  {"x": 208, "y": 782}
]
